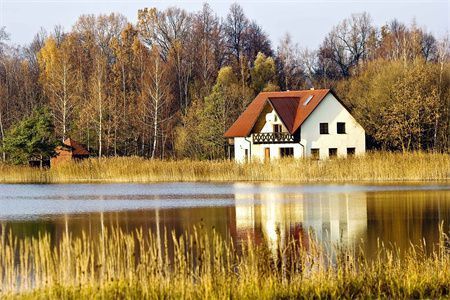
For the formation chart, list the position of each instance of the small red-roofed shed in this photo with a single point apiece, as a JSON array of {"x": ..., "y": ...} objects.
[{"x": 70, "y": 150}]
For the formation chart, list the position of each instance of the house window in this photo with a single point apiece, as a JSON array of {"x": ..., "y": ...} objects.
[
  {"x": 351, "y": 151},
  {"x": 315, "y": 153},
  {"x": 332, "y": 152},
  {"x": 323, "y": 128},
  {"x": 246, "y": 154},
  {"x": 341, "y": 127},
  {"x": 285, "y": 152},
  {"x": 276, "y": 128}
]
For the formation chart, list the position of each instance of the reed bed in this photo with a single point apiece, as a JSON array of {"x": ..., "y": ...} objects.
[
  {"x": 376, "y": 166},
  {"x": 199, "y": 265}
]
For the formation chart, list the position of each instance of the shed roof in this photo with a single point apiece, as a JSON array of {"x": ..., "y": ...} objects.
[
  {"x": 290, "y": 107},
  {"x": 77, "y": 148}
]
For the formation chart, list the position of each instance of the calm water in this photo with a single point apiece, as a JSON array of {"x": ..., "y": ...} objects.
[{"x": 269, "y": 213}]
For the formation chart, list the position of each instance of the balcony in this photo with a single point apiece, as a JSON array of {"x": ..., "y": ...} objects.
[{"x": 273, "y": 138}]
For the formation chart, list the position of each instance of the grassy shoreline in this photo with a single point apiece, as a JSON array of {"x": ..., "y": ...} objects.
[
  {"x": 374, "y": 167},
  {"x": 136, "y": 265}
]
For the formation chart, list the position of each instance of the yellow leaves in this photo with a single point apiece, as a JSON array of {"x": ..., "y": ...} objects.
[
  {"x": 147, "y": 21},
  {"x": 396, "y": 101},
  {"x": 226, "y": 76},
  {"x": 271, "y": 87},
  {"x": 263, "y": 73},
  {"x": 48, "y": 57}
]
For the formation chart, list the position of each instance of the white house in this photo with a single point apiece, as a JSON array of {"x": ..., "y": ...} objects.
[{"x": 295, "y": 123}]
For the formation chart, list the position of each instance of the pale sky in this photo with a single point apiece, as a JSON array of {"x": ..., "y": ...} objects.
[{"x": 307, "y": 21}]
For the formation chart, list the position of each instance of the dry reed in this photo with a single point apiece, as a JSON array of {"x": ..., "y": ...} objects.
[
  {"x": 137, "y": 265},
  {"x": 376, "y": 166}
]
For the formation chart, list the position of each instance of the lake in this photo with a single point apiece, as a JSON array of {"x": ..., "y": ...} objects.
[{"x": 350, "y": 214}]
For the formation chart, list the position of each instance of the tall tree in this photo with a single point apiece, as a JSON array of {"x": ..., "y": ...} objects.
[
  {"x": 125, "y": 88},
  {"x": 264, "y": 74},
  {"x": 170, "y": 31},
  {"x": 96, "y": 35},
  {"x": 236, "y": 26},
  {"x": 60, "y": 80},
  {"x": 3, "y": 93},
  {"x": 206, "y": 121},
  {"x": 442, "y": 124},
  {"x": 289, "y": 64},
  {"x": 157, "y": 89},
  {"x": 99, "y": 94},
  {"x": 347, "y": 44},
  {"x": 208, "y": 50},
  {"x": 256, "y": 41}
]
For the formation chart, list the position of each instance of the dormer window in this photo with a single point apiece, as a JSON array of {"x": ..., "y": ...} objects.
[
  {"x": 307, "y": 100},
  {"x": 276, "y": 128}
]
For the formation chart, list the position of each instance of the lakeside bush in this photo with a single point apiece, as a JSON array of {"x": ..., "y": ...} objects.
[
  {"x": 196, "y": 265},
  {"x": 375, "y": 166}
]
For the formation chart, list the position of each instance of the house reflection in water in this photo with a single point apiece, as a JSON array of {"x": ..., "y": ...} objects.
[
  {"x": 264, "y": 212},
  {"x": 272, "y": 215}
]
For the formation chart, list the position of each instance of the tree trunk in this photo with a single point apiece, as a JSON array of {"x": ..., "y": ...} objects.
[
  {"x": 100, "y": 113},
  {"x": 64, "y": 117},
  {"x": 2, "y": 132},
  {"x": 155, "y": 129}
]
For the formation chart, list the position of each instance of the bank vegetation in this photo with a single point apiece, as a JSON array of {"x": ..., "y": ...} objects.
[
  {"x": 198, "y": 265},
  {"x": 375, "y": 166}
]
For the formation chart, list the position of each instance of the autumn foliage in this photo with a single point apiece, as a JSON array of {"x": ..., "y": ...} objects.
[{"x": 171, "y": 84}]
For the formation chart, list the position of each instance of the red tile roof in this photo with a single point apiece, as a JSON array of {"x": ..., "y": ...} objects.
[
  {"x": 286, "y": 108},
  {"x": 77, "y": 149},
  {"x": 288, "y": 105}
]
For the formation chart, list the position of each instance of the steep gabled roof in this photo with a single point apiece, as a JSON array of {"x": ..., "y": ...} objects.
[
  {"x": 77, "y": 149},
  {"x": 286, "y": 109},
  {"x": 290, "y": 107}
]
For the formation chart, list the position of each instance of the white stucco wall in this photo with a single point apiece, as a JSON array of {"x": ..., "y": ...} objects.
[
  {"x": 257, "y": 151},
  {"x": 268, "y": 126},
  {"x": 240, "y": 144},
  {"x": 331, "y": 111}
]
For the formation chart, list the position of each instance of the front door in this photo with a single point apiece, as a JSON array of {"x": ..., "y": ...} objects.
[{"x": 266, "y": 154}]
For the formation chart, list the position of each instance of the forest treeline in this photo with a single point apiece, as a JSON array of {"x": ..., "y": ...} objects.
[{"x": 171, "y": 84}]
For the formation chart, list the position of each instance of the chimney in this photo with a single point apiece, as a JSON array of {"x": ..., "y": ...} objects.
[{"x": 312, "y": 89}]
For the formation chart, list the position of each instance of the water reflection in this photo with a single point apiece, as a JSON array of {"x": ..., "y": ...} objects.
[
  {"x": 277, "y": 216},
  {"x": 264, "y": 212}
]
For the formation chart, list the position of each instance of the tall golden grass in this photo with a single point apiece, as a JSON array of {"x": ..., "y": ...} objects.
[
  {"x": 205, "y": 266},
  {"x": 376, "y": 166}
]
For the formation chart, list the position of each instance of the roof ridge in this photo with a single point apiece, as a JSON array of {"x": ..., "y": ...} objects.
[
  {"x": 294, "y": 91},
  {"x": 76, "y": 146},
  {"x": 245, "y": 122}
]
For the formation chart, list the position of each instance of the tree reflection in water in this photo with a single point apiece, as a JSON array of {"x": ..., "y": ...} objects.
[{"x": 269, "y": 213}]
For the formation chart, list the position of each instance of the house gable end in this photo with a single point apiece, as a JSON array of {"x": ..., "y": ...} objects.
[
  {"x": 261, "y": 122},
  {"x": 293, "y": 107},
  {"x": 331, "y": 96}
]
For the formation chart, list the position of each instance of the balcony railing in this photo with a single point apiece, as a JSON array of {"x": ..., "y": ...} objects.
[{"x": 273, "y": 138}]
